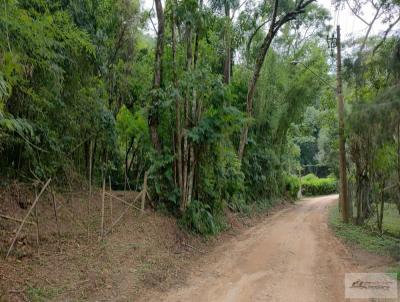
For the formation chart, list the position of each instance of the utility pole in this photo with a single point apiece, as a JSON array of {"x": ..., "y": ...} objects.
[{"x": 343, "y": 198}]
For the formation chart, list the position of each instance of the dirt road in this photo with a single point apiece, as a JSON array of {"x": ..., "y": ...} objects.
[{"x": 292, "y": 256}]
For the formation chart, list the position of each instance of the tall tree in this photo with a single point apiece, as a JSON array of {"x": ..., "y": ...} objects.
[
  {"x": 157, "y": 80},
  {"x": 274, "y": 27}
]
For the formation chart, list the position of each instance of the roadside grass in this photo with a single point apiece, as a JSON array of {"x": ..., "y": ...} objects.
[
  {"x": 41, "y": 294},
  {"x": 391, "y": 220},
  {"x": 366, "y": 238},
  {"x": 395, "y": 270}
]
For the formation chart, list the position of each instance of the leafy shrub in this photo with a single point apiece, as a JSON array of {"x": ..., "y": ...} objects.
[
  {"x": 312, "y": 185},
  {"x": 199, "y": 218},
  {"x": 292, "y": 186},
  {"x": 263, "y": 174}
]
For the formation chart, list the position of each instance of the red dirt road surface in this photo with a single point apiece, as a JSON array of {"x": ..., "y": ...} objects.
[{"x": 292, "y": 256}]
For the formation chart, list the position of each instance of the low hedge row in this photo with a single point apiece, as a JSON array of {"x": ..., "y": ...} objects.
[{"x": 311, "y": 185}]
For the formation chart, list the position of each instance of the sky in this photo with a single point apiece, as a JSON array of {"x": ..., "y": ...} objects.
[{"x": 351, "y": 26}]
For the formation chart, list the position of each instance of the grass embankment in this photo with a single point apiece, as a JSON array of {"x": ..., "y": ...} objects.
[{"x": 367, "y": 238}]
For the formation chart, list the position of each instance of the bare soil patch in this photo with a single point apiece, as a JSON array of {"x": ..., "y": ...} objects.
[{"x": 145, "y": 253}]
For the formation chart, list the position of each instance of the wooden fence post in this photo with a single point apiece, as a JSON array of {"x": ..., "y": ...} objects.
[
  {"x": 144, "y": 190},
  {"x": 111, "y": 202},
  {"x": 37, "y": 222},
  {"x": 56, "y": 216},
  {"x": 102, "y": 206}
]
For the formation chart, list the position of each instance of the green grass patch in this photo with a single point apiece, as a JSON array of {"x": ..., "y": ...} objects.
[
  {"x": 364, "y": 237},
  {"x": 395, "y": 270},
  {"x": 391, "y": 220},
  {"x": 41, "y": 294}
]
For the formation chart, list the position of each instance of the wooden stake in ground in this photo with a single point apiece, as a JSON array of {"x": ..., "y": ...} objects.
[
  {"x": 144, "y": 191},
  {"x": 125, "y": 202},
  {"x": 16, "y": 219},
  {"x": 26, "y": 216},
  {"x": 37, "y": 222},
  {"x": 102, "y": 207},
  {"x": 90, "y": 188},
  {"x": 56, "y": 216},
  {"x": 111, "y": 203},
  {"x": 129, "y": 205}
]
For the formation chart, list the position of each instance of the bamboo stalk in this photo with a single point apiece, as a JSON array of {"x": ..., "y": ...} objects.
[
  {"x": 37, "y": 223},
  {"x": 16, "y": 219},
  {"x": 90, "y": 188},
  {"x": 123, "y": 214},
  {"x": 26, "y": 217},
  {"x": 111, "y": 203},
  {"x": 144, "y": 190},
  {"x": 56, "y": 216},
  {"x": 124, "y": 201},
  {"x": 102, "y": 206}
]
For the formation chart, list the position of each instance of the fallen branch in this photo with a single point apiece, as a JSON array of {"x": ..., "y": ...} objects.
[
  {"x": 124, "y": 201},
  {"x": 130, "y": 205},
  {"x": 26, "y": 216},
  {"x": 56, "y": 216},
  {"x": 16, "y": 219}
]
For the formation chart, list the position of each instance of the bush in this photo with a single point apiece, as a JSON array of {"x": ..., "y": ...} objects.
[
  {"x": 313, "y": 186},
  {"x": 292, "y": 186},
  {"x": 364, "y": 237},
  {"x": 199, "y": 218}
]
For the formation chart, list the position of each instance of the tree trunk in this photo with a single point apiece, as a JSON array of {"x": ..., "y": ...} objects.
[
  {"x": 157, "y": 81},
  {"x": 178, "y": 126},
  {"x": 195, "y": 113},
  {"x": 273, "y": 30},
  {"x": 86, "y": 148},
  {"x": 380, "y": 208},
  {"x": 398, "y": 166},
  {"x": 227, "y": 59},
  {"x": 256, "y": 74},
  {"x": 186, "y": 147}
]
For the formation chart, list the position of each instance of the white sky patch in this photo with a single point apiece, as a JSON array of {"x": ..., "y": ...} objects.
[{"x": 351, "y": 26}]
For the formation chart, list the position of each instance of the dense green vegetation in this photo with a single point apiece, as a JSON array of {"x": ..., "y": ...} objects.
[
  {"x": 209, "y": 103},
  {"x": 82, "y": 96},
  {"x": 372, "y": 74},
  {"x": 366, "y": 238},
  {"x": 313, "y": 185},
  {"x": 310, "y": 185}
]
